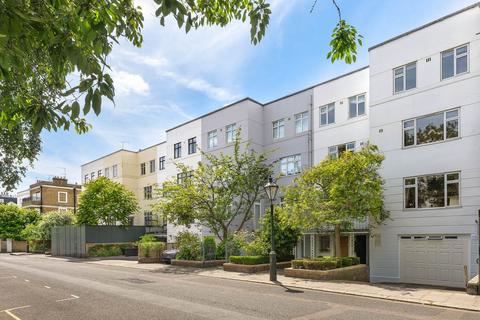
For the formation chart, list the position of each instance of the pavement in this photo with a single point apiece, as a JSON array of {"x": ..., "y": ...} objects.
[
  {"x": 39, "y": 287},
  {"x": 442, "y": 297}
]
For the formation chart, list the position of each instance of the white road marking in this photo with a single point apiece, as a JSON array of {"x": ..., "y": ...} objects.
[
  {"x": 47, "y": 287},
  {"x": 9, "y": 312},
  {"x": 73, "y": 297},
  {"x": 26, "y": 280}
]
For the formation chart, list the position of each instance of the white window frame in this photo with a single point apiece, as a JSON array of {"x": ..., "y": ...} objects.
[
  {"x": 414, "y": 127},
  {"x": 114, "y": 171},
  {"x": 302, "y": 121},
  {"x": 349, "y": 146},
  {"x": 324, "y": 111},
  {"x": 278, "y": 129},
  {"x": 230, "y": 131},
  {"x": 295, "y": 160},
  {"x": 356, "y": 105},
  {"x": 404, "y": 75},
  {"x": 152, "y": 165},
  {"x": 445, "y": 194},
  {"x": 66, "y": 197},
  {"x": 455, "y": 57},
  {"x": 212, "y": 139}
]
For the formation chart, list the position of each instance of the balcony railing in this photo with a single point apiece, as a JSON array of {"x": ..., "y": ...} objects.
[{"x": 30, "y": 201}]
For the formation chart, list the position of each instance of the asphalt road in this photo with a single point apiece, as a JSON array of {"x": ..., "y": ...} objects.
[{"x": 35, "y": 287}]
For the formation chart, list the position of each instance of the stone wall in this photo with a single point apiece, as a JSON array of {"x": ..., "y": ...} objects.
[{"x": 354, "y": 273}]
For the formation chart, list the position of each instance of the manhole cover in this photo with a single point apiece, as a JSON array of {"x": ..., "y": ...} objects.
[{"x": 136, "y": 280}]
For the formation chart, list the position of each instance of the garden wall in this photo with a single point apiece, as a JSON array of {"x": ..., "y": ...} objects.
[
  {"x": 198, "y": 264},
  {"x": 354, "y": 273},
  {"x": 254, "y": 268}
]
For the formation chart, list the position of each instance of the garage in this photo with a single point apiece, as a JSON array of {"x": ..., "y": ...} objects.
[{"x": 433, "y": 259}]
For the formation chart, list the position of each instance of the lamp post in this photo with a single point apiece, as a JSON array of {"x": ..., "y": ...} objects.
[{"x": 271, "y": 189}]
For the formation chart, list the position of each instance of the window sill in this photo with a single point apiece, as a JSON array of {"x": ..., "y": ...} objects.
[
  {"x": 455, "y": 76},
  {"x": 403, "y": 91},
  {"x": 430, "y": 209}
]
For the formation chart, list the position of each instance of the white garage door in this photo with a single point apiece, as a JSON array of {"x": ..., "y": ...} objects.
[{"x": 433, "y": 260}]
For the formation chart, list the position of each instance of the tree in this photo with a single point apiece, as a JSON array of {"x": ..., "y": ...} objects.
[
  {"x": 42, "y": 43},
  {"x": 42, "y": 229},
  {"x": 221, "y": 190},
  {"x": 336, "y": 192},
  {"x": 13, "y": 220},
  {"x": 105, "y": 202}
]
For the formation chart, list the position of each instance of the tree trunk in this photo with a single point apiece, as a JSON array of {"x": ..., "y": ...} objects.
[
  {"x": 225, "y": 241},
  {"x": 338, "y": 248}
]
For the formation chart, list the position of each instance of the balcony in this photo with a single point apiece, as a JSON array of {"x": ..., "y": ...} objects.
[{"x": 29, "y": 201}]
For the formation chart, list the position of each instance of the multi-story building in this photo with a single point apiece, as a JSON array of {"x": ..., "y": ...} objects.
[
  {"x": 6, "y": 198},
  {"x": 45, "y": 196},
  {"x": 417, "y": 100}
]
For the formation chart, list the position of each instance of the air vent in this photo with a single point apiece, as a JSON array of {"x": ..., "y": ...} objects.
[
  {"x": 405, "y": 237},
  {"x": 435, "y": 238},
  {"x": 419, "y": 238},
  {"x": 428, "y": 59},
  {"x": 451, "y": 237}
]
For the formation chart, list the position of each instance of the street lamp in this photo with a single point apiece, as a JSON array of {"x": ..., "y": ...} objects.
[{"x": 271, "y": 189}]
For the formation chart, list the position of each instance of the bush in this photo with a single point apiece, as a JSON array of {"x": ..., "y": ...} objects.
[
  {"x": 149, "y": 249},
  {"x": 355, "y": 261},
  {"x": 189, "y": 246},
  {"x": 249, "y": 260},
  {"x": 147, "y": 238},
  {"x": 346, "y": 261},
  {"x": 298, "y": 264},
  {"x": 320, "y": 264},
  {"x": 106, "y": 250},
  {"x": 209, "y": 248},
  {"x": 257, "y": 247},
  {"x": 234, "y": 245}
]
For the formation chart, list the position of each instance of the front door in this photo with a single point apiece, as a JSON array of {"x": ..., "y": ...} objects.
[
  {"x": 344, "y": 246},
  {"x": 361, "y": 247}
]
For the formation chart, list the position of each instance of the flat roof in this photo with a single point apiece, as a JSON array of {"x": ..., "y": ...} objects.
[
  {"x": 477, "y": 4},
  {"x": 107, "y": 155}
]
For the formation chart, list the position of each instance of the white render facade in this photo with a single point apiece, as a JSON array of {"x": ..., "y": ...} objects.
[{"x": 418, "y": 100}]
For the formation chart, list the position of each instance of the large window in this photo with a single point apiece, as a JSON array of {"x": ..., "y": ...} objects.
[
  {"x": 114, "y": 170},
  {"x": 212, "y": 139},
  {"x": 143, "y": 168},
  {"x": 291, "y": 165},
  {"x": 37, "y": 196},
  {"x": 182, "y": 176},
  {"x": 405, "y": 77},
  {"x": 356, "y": 106},
  {"x": 161, "y": 163},
  {"x": 177, "y": 150},
  {"x": 230, "y": 133},
  {"x": 152, "y": 166},
  {"x": 147, "y": 192},
  {"x": 148, "y": 218},
  {"x": 279, "y": 129},
  {"x": 327, "y": 114},
  {"x": 107, "y": 172},
  {"x": 454, "y": 61},
  {"x": 432, "y": 128},
  {"x": 432, "y": 191},
  {"x": 192, "y": 145},
  {"x": 62, "y": 197},
  {"x": 301, "y": 122},
  {"x": 335, "y": 151}
]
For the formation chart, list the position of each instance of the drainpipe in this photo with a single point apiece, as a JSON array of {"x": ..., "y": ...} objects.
[
  {"x": 310, "y": 134},
  {"x": 41, "y": 200}
]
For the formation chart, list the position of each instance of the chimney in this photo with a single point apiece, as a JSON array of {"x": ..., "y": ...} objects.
[{"x": 59, "y": 181}]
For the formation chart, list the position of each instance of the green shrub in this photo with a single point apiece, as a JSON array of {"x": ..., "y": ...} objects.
[
  {"x": 149, "y": 249},
  {"x": 355, "y": 260},
  {"x": 298, "y": 264},
  {"x": 346, "y": 261},
  {"x": 189, "y": 246},
  {"x": 147, "y": 238},
  {"x": 249, "y": 260},
  {"x": 105, "y": 250},
  {"x": 320, "y": 264},
  {"x": 234, "y": 246},
  {"x": 209, "y": 248}
]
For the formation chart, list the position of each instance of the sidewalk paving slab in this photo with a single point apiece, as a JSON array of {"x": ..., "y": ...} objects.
[{"x": 439, "y": 297}]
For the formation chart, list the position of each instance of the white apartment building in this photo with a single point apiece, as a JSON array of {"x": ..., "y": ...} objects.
[{"x": 418, "y": 100}]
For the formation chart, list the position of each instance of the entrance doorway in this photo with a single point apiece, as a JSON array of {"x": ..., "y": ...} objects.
[{"x": 361, "y": 247}]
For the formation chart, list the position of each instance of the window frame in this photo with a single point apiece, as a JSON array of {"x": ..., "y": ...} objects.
[
  {"x": 148, "y": 193},
  {"x": 66, "y": 196},
  {"x": 181, "y": 176},
  {"x": 445, "y": 192},
  {"x": 212, "y": 139},
  {"x": 114, "y": 171},
  {"x": 99, "y": 173},
  {"x": 300, "y": 118},
  {"x": 86, "y": 178},
  {"x": 192, "y": 145},
  {"x": 445, "y": 120},
  {"x": 92, "y": 175},
  {"x": 404, "y": 75},
  {"x": 230, "y": 132},
  {"x": 152, "y": 166},
  {"x": 143, "y": 168},
  {"x": 150, "y": 220},
  {"x": 107, "y": 172},
  {"x": 327, "y": 107},
  {"x": 291, "y": 159},
  {"x": 356, "y": 106},
  {"x": 278, "y": 126},
  {"x": 177, "y": 150},
  {"x": 161, "y": 163},
  {"x": 455, "y": 57},
  {"x": 342, "y": 144}
]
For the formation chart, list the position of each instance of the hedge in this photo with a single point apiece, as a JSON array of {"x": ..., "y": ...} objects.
[
  {"x": 148, "y": 249},
  {"x": 249, "y": 260},
  {"x": 325, "y": 263},
  {"x": 107, "y": 250}
]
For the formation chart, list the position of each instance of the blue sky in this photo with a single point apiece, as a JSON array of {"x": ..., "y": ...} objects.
[{"x": 175, "y": 77}]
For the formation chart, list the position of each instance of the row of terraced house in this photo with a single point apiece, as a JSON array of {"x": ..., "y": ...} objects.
[{"x": 418, "y": 101}]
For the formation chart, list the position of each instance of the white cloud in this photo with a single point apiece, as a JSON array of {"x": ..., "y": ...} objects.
[{"x": 126, "y": 83}]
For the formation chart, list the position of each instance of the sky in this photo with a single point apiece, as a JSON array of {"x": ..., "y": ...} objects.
[{"x": 175, "y": 76}]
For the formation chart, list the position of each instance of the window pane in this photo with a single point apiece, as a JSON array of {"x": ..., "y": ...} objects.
[
  {"x": 324, "y": 243},
  {"x": 408, "y": 138},
  {"x": 399, "y": 84},
  {"x": 342, "y": 148},
  {"x": 353, "y": 107},
  {"x": 410, "y": 197},
  {"x": 453, "y": 194},
  {"x": 461, "y": 50},
  {"x": 411, "y": 76},
  {"x": 462, "y": 64},
  {"x": 447, "y": 64},
  {"x": 431, "y": 191},
  {"x": 399, "y": 71},
  {"x": 410, "y": 181},
  {"x": 323, "y": 119},
  {"x": 331, "y": 114},
  {"x": 350, "y": 146},
  {"x": 452, "y": 176},
  {"x": 452, "y": 114},
  {"x": 452, "y": 129},
  {"x": 408, "y": 124},
  {"x": 361, "y": 104},
  {"x": 430, "y": 129}
]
